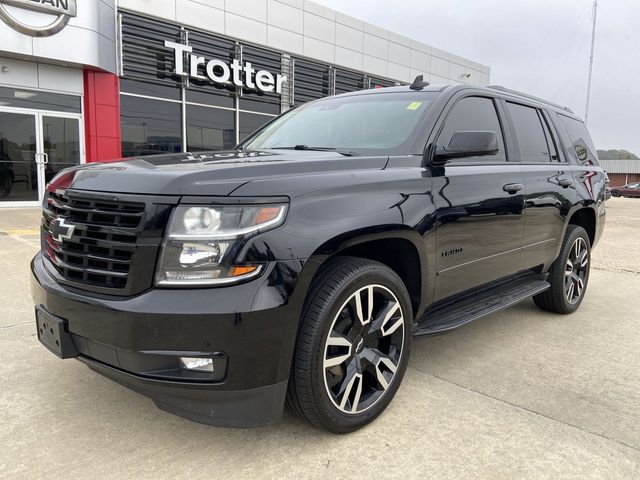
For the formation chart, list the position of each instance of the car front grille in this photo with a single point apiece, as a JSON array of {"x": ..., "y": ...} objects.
[{"x": 94, "y": 241}]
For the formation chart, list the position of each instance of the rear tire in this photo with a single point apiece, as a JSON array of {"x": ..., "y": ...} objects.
[
  {"x": 615, "y": 193},
  {"x": 569, "y": 274},
  {"x": 353, "y": 345}
]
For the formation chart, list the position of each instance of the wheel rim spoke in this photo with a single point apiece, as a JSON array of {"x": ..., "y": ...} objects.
[
  {"x": 383, "y": 361},
  {"x": 363, "y": 349},
  {"x": 388, "y": 320},
  {"x": 576, "y": 270},
  {"x": 354, "y": 381},
  {"x": 359, "y": 308},
  {"x": 337, "y": 360},
  {"x": 337, "y": 340}
]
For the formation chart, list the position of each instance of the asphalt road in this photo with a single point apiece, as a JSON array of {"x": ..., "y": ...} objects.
[{"x": 519, "y": 394}]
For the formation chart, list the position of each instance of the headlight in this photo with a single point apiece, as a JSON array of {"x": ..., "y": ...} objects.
[{"x": 199, "y": 244}]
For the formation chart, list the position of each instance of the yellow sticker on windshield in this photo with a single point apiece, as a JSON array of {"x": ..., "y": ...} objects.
[{"x": 414, "y": 105}]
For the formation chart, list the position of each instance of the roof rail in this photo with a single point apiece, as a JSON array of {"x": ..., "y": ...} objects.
[{"x": 531, "y": 97}]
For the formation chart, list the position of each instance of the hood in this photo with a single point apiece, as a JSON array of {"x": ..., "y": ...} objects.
[{"x": 206, "y": 173}]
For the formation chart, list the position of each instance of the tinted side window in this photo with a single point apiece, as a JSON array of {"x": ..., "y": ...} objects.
[
  {"x": 474, "y": 114},
  {"x": 583, "y": 148},
  {"x": 532, "y": 140}
]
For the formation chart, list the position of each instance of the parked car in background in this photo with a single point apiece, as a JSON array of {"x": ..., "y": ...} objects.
[{"x": 629, "y": 190}]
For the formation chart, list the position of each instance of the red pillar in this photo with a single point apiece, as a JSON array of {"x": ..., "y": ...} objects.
[{"x": 102, "y": 116}]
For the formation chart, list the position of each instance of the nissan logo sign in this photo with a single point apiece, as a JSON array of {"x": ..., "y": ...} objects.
[
  {"x": 39, "y": 18},
  {"x": 219, "y": 71}
]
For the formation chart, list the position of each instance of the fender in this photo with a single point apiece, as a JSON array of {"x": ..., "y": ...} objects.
[
  {"x": 575, "y": 208},
  {"x": 353, "y": 238}
]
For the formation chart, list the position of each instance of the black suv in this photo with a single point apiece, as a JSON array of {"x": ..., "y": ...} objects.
[{"x": 296, "y": 268}]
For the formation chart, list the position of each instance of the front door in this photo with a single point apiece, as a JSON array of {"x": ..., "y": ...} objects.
[
  {"x": 34, "y": 147},
  {"x": 61, "y": 146},
  {"x": 479, "y": 206}
]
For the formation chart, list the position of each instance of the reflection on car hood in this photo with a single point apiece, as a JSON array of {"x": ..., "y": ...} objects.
[{"x": 206, "y": 173}]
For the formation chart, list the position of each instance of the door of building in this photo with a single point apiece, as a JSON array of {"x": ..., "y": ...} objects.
[{"x": 34, "y": 147}]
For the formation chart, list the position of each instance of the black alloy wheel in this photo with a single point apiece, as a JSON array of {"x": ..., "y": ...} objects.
[
  {"x": 363, "y": 349},
  {"x": 576, "y": 270},
  {"x": 569, "y": 274},
  {"x": 353, "y": 345}
]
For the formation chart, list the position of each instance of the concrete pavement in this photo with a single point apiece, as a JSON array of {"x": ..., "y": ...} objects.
[{"x": 519, "y": 394}]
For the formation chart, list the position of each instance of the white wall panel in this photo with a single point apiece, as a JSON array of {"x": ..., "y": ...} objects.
[
  {"x": 349, "y": 37},
  {"x": 302, "y": 27},
  {"x": 253, "y": 9},
  {"x": 376, "y": 46},
  {"x": 285, "y": 16},
  {"x": 399, "y": 54},
  {"x": 348, "y": 58},
  {"x": 19, "y": 72},
  {"x": 319, "y": 50},
  {"x": 245, "y": 28},
  {"x": 284, "y": 40},
  {"x": 319, "y": 28},
  {"x": 62, "y": 79},
  {"x": 200, "y": 15}
]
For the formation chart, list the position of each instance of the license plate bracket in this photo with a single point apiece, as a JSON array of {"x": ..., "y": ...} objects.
[{"x": 53, "y": 334}]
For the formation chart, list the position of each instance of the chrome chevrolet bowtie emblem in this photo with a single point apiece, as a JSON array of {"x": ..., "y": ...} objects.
[{"x": 60, "y": 230}]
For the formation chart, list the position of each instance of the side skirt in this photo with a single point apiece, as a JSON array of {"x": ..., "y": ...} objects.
[{"x": 471, "y": 306}]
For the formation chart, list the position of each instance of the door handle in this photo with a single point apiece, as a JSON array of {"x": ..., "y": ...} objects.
[
  {"x": 42, "y": 158},
  {"x": 512, "y": 188},
  {"x": 565, "y": 183}
]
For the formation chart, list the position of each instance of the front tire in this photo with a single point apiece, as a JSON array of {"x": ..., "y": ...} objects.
[
  {"x": 353, "y": 345},
  {"x": 569, "y": 274},
  {"x": 615, "y": 193}
]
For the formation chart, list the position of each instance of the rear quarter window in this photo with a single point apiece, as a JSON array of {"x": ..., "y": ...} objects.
[{"x": 582, "y": 148}]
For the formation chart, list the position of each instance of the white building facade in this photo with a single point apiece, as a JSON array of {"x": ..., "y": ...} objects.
[{"x": 93, "y": 80}]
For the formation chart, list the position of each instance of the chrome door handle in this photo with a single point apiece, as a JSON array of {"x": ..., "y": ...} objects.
[
  {"x": 46, "y": 158},
  {"x": 565, "y": 183},
  {"x": 512, "y": 187}
]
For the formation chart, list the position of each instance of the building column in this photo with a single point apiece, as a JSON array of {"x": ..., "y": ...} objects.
[{"x": 102, "y": 116}]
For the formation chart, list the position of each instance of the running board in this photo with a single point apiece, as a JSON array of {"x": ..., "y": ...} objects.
[{"x": 457, "y": 313}]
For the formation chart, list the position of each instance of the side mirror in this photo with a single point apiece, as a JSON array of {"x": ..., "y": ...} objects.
[{"x": 468, "y": 144}]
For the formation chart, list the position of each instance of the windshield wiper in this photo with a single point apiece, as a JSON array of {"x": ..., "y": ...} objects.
[{"x": 317, "y": 149}]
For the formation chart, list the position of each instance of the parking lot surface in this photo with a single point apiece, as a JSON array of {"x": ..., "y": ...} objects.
[{"x": 519, "y": 394}]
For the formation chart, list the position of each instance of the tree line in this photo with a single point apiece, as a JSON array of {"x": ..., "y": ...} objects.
[{"x": 614, "y": 154}]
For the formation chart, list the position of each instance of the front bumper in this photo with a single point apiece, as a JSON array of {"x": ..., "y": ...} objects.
[{"x": 252, "y": 326}]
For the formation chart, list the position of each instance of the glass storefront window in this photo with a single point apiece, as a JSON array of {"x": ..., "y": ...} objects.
[
  {"x": 196, "y": 112},
  {"x": 209, "y": 129},
  {"x": 260, "y": 103},
  {"x": 168, "y": 90},
  {"x": 61, "y": 142},
  {"x": 250, "y": 122},
  {"x": 149, "y": 126},
  {"x": 18, "y": 169},
  {"x": 22, "y": 98},
  {"x": 200, "y": 92}
]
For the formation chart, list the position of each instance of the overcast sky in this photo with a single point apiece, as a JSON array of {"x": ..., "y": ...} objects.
[{"x": 536, "y": 46}]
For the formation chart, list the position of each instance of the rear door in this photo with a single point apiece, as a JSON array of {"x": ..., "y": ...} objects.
[
  {"x": 479, "y": 204},
  {"x": 548, "y": 178}
]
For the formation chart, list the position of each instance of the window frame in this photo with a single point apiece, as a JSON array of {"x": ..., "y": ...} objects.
[
  {"x": 500, "y": 114},
  {"x": 556, "y": 137},
  {"x": 546, "y": 130}
]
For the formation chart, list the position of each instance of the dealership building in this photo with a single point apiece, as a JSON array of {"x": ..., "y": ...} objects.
[{"x": 93, "y": 80}]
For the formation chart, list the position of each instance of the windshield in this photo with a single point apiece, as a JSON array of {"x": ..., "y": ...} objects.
[{"x": 377, "y": 123}]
